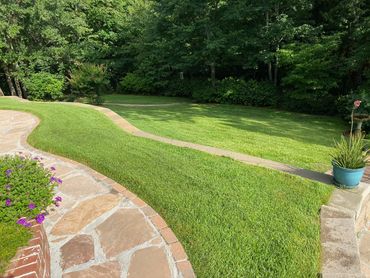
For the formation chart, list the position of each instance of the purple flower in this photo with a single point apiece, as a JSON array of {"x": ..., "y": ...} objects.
[
  {"x": 8, "y": 187},
  {"x": 23, "y": 221},
  {"x": 53, "y": 179},
  {"x": 58, "y": 199},
  {"x": 59, "y": 181},
  {"x": 8, "y": 202},
  {"x": 31, "y": 206},
  {"x": 52, "y": 168},
  {"x": 8, "y": 172},
  {"x": 40, "y": 218},
  {"x": 36, "y": 158}
]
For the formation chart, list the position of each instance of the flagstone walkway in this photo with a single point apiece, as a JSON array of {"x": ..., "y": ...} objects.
[{"x": 101, "y": 229}]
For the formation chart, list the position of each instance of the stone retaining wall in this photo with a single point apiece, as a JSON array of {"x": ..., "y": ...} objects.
[
  {"x": 32, "y": 261},
  {"x": 342, "y": 222}
]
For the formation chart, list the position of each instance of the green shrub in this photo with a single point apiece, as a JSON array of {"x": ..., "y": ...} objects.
[
  {"x": 133, "y": 83},
  {"x": 202, "y": 91},
  {"x": 26, "y": 190},
  {"x": 90, "y": 81},
  {"x": 252, "y": 92},
  {"x": 44, "y": 86},
  {"x": 179, "y": 88}
]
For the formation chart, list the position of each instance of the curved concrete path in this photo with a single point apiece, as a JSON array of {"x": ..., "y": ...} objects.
[
  {"x": 101, "y": 229},
  {"x": 145, "y": 105}
]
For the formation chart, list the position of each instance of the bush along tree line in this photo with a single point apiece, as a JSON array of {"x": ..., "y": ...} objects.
[{"x": 307, "y": 55}]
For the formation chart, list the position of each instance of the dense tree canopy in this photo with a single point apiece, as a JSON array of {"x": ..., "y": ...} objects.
[{"x": 311, "y": 52}]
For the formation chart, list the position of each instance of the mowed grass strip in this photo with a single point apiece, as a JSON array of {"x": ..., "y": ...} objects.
[
  {"x": 234, "y": 220},
  {"x": 300, "y": 140},
  {"x": 12, "y": 237}
]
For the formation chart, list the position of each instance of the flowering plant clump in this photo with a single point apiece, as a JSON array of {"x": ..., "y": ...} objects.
[{"x": 26, "y": 189}]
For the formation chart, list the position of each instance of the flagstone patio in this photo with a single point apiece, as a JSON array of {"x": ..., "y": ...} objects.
[{"x": 101, "y": 229}]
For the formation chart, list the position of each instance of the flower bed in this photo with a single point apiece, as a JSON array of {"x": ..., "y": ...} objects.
[{"x": 26, "y": 190}]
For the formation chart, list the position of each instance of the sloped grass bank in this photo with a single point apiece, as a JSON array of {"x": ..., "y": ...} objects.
[{"x": 234, "y": 220}]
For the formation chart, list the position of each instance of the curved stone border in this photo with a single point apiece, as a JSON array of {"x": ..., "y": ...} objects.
[
  {"x": 32, "y": 261},
  {"x": 173, "y": 246},
  {"x": 342, "y": 222}
]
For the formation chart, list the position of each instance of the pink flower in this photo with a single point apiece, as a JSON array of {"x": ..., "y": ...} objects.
[{"x": 357, "y": 104}]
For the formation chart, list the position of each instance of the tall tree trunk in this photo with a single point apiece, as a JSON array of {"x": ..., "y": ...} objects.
[
  {"x": 1, "y": 92},
  {"x": 24, "y": 89},
  {"x": 9, "y": 80},
  {"x": 269, "y": 65},
  {"x": 213, "y": 74},
  {"x": 18, "y": 87},
  {"x": 276, "y": 66}
]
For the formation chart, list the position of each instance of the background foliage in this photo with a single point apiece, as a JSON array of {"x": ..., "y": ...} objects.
[{"x": 301, "y": 55}]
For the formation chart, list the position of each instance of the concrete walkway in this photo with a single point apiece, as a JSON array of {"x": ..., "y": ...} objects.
[
  {"x": 145, "y": 105},
  {"x": 101, "y": 229}
]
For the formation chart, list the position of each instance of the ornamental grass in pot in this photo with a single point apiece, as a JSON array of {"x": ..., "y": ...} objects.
[{"x": 350, "y": 157}]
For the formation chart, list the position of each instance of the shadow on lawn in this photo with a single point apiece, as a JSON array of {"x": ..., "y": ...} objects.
[{"x": 319, "y": 130}]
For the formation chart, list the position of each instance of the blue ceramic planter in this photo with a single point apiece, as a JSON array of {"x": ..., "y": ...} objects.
[{"x": 348, "y": 178}]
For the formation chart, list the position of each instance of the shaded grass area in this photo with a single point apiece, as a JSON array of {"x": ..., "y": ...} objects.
[
  {"x": 234, "y": 220},
  {"x": 135, "y": 99},
  {"x": 296, "y": 139},
  {"x": 12, "y": 237}
]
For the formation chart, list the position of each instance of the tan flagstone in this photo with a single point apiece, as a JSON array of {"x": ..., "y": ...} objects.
[
  {"x": 74, "y": 220},
  {"x": 106, "y": 270},
  {"x": 149, "y": 263},
  {"x": 123, "y": 230}
]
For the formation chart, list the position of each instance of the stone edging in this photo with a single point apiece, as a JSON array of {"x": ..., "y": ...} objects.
[
  {"x": 32, "y": 261},
  {"x": 342, "y": 221},
  {"x": 177, "y": 250}
]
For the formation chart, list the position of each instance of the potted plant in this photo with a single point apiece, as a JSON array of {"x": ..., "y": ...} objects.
[{"x": 350, "y": 157}]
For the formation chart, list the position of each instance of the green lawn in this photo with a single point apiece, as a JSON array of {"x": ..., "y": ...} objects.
[
  {"x": 11, "y": 238},
  {"x": 234, "y": 220},
  {"x": 134, "y": 99},
  {"x": 296, "y": 139}
]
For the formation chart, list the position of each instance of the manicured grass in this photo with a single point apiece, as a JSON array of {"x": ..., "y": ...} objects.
[
  {"x": 296, "y": 139},
  {"x": 234, "y": 220},
  {"x": 12, "y": 236},
  {"x": 134, "y": 99}
]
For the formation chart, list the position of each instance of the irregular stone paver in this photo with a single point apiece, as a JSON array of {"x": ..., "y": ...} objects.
[
  {"x": 106, "y": 270},
  {"x": 149, "y": 263},
  {"x": 78, "y": 250},
  {"x": 113, "y": 231},
  {"x": 100, "y": 226},
  {"x": 77, "y": 218},
  {"x": 81, "y": 186}
]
